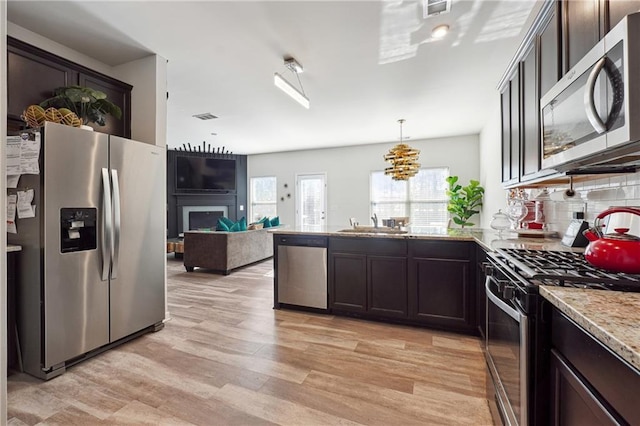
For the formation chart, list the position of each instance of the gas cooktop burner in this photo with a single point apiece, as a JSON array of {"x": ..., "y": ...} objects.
[{"x": 566, "y": 268}]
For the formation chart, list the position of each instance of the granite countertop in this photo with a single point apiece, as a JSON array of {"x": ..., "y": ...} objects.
[
  {"x": 612, "y": 317},
  {"x": 487, "y": 238},
  {"x": 11, "y": 247}
]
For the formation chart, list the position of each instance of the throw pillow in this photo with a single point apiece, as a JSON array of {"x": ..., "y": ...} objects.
[
  {"x": 243, "y": 224},
  {"x": 222, "y": 225},
  {"x": 235, "y": 227},
  {"x": 275, "y": 221},
  {"x": 227, "y": 221},
  {"x": 265, "y": 221}
]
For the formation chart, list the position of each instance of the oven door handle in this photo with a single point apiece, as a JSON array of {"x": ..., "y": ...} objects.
[{"x": 513, "y": 313}]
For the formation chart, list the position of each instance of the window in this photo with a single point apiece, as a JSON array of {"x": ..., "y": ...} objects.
[
  {"x": 422, "y": 198},
  {"x": 264, "y": 198}
]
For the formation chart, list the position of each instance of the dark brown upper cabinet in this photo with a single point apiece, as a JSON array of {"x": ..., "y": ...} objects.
[
  {"x": 549, "y": 53},
  {"x": 581, "y": 29},
  {"x": 618, "y": 9},
  {"x": 516, "y": 109},
  {"x": 120, "y": 96},
  {"x": 510, "y": 100},
  {"x": 33, "y": 74},
  {"x": 505, "y": 105},
  {"x": 31, "y": 78},
  {"x": 585, "y": 22},
  {"x": 530, "y": 100}
]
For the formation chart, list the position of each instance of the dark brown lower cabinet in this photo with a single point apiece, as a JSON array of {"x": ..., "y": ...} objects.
[
  {"x": 590, "y": 385},
  {"x": 572, "y": 401},
  {"x": 441, "y": 291},
  {"x": 387, "y": 289},
  {"x": 348, "y": 281},
  {"x": 428, "y": 282},
  {"x": 368, "y": 276}
]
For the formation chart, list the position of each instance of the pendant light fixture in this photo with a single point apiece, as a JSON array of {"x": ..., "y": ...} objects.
[
  {"x": 280, "y": 82},
  {"x": 403, "y": 159}
]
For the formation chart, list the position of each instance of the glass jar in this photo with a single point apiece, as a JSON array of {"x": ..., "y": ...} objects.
[{"x": 500, "y": 222}]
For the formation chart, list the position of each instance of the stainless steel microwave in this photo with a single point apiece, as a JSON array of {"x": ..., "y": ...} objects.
[{"x": 591, "y": 117}]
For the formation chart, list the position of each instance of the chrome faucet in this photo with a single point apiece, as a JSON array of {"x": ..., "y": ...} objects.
[
  {"x": 375, "y": 220},
  {"x": 352, "y": 222}
]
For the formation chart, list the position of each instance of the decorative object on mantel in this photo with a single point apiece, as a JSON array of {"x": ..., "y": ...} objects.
[
  {"x": 464, "y": 200},
  {"x": 205, "y": 147},
  {"x": 89, "y": 105},
  {"x": 403, "y": 159}
]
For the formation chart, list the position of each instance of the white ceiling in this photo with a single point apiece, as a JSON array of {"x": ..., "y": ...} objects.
[{"x": 366, "y": 64}]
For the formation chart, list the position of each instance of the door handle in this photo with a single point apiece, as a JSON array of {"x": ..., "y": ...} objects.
[
  {"x": 589, "y": 101},
  {"x": 107, "y": 226},
  {"x": 116, "y": 223},
  {"x": 500, "y": 304}
]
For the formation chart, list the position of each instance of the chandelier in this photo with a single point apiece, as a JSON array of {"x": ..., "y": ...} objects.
[{"x": 403, "y": 159}]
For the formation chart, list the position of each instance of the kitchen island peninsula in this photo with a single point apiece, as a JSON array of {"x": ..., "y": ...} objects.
[{"x": 422, "y": 277}]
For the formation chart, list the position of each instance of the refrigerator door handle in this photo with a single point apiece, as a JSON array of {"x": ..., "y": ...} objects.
[
  {"x": 107, "y": 225},
  {"x": 116, "y": 221}
]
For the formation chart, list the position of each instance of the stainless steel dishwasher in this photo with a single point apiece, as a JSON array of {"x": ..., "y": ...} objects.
[{"x": 301, "y": 270}]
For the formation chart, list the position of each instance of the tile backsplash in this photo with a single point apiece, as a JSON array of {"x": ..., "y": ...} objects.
[{"x": 591, "y": 197}]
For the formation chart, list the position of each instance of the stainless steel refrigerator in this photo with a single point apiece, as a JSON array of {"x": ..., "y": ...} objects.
[{"x": 92, "y": 268}]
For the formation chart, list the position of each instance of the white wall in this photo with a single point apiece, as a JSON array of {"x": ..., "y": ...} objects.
[
  {"x": 491, "y": 163},
  {"x": 148, "y": 76},
  {"x": 348, "y": 171},
  {"x": 3, "y": 223}
]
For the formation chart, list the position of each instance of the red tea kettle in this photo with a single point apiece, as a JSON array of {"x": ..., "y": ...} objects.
[{"x": 619, "y": 252}]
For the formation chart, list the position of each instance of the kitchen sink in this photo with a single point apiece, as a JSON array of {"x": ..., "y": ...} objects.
[{"x": 373, "y": 230}]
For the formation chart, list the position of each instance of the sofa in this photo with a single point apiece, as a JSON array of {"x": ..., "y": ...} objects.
[{"x": 224, "y": 251}]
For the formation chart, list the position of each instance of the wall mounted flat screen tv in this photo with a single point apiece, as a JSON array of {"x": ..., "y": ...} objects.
[{"x": 203, "y": 174}]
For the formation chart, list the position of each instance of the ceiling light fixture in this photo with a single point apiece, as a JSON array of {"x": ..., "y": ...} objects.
[
  {"x": 280, "y": 82},
  {"x": 403, "y": 159},
  {"x": 440, "y": 31}
]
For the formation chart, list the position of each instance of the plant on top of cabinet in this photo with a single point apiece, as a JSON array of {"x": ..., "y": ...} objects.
[
  {"x": 464, "y": 200},
  {"x": 88, "y": 104}
]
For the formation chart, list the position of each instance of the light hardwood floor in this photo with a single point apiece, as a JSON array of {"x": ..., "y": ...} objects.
[{"x": 227, "y": 358}]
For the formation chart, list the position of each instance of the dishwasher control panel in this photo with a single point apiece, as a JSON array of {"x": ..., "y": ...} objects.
[{"x": 301, "y": 240}]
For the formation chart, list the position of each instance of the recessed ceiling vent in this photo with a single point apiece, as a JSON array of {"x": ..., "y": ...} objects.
[
  {"x": 205, "y": 116},
  {"x": 436, "y": 7}
]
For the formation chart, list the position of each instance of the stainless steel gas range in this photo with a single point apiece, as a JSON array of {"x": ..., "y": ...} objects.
[{"x": 517, "y": 335}]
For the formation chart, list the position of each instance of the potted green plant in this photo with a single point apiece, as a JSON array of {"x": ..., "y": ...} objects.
[
  {"x": 464, "y": 201},
  {"x": 90, "y": 105}
]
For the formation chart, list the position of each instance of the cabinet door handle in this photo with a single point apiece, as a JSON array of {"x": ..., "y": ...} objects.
[{"x": 589, "y": 101}]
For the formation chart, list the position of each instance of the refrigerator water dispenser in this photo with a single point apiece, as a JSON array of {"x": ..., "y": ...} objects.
[{"x": 78, "y": 229}]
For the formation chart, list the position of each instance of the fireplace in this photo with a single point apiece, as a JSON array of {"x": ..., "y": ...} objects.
[{"x": 202, "y": 217}]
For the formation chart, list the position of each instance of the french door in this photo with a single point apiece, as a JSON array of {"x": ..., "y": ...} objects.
[{"x": 311, "y": 201}]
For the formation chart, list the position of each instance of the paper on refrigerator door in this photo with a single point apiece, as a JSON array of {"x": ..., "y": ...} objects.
[
  {"x": 12, "y": 181},
  {"x": 25, "y": 209},
  {"x": 13, "y": 155},
  {"x": 11, "y": 213},
  {"x": 29, "y": 154}
]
